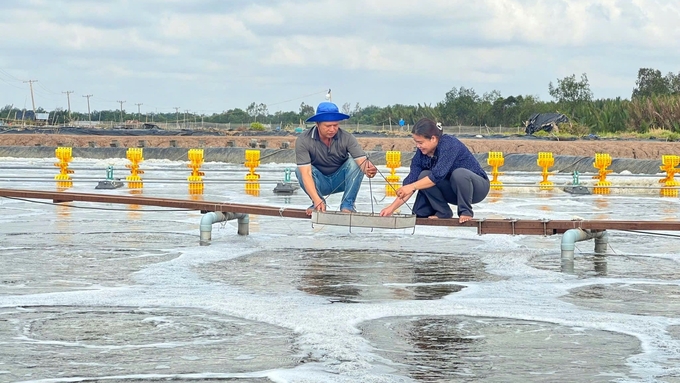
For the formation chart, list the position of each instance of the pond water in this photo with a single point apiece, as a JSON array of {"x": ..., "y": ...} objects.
[{"x": 118, "y": 293}]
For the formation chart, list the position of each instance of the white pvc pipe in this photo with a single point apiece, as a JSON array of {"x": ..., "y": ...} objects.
[
  {"x": 569, "y": 239},
  {"x": 243, "y": 224},
  {"x": 601, "y": 243},
  {"x": 212, "y": 217}
]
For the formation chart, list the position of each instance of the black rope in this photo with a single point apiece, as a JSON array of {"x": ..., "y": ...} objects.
[
  {"x": 390, "y": 185},
  {"x": 370, "y": 191},
  {"x": 370, "y": 185},
  {"x": 352, "y": 174},
  {"x": 653, "y": 234},
  {"x": 277, "y": 151}
]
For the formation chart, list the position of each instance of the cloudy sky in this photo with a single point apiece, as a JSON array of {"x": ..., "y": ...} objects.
[{"x": 207, "y": 56}]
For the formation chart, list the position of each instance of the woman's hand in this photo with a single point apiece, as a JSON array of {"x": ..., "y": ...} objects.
[
  {"x": 405, "y": 192},
  {"x": 387, "y": 211}
]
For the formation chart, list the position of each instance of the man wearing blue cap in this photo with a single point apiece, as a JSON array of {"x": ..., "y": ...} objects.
[{"x": 330, "y": 160}]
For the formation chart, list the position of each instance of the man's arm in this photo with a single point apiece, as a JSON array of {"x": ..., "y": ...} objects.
[
  {"x": 310, "y": 187},
  {"x": 355, "y": 150}
]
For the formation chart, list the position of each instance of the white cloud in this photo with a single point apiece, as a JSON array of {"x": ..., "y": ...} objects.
[
  {"x": 206, "y": 28},
  {"x": 271, "y": 50}
]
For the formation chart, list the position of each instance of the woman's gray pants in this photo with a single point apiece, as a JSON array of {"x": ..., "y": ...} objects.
[{"x": 463, "y": 189}]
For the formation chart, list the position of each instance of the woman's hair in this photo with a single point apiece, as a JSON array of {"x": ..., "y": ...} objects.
[{"x": 427, "y": 128}]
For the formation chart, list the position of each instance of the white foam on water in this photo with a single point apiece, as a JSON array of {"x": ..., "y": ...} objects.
[{"x": 327, "y": 331}]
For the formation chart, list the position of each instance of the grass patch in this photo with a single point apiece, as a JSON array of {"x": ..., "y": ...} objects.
[{"x": 660, "y": 134}]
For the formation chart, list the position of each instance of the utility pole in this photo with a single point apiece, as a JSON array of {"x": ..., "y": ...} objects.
[
  {"x": 138, "y": 111},
  {"x": 10, "y": 110},
  {"x": 30, "y": 85},
  {"x": 88, "y": 106},
  {"x": 177, "y": 119},
  {"x": 121, "y": 110},
  {"x": 68, "y": 101},
  {"x": 184, "y": 124}
]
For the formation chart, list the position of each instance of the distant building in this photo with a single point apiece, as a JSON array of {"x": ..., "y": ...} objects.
[
  {"x": 28, "y": 115},
  {"x": 82, "y": 123}
]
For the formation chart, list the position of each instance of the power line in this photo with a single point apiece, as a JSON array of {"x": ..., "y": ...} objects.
[
  {"x": 105, "y": 100},
  {"x": 43, "y": 95},
  {"x": 299, "y": 98},
  {"x": 45, "y": 89},
  {"x": 10, "y": 84},
  {"x": 8, "y": 74}
]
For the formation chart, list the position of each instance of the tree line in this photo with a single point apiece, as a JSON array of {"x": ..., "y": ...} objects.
[{"x": 654, "y": 104}]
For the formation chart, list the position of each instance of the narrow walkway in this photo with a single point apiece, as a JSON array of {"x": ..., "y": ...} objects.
[{"x": 484, "y": 226}]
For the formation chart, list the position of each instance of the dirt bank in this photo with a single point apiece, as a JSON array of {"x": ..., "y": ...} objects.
[{"x": 587, "y": 148}]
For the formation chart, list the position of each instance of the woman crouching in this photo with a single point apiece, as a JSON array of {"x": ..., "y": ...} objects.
[{"x": 445, "y": 172}]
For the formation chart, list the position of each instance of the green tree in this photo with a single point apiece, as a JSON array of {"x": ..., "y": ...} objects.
[
  {"x": 570, "y": 91},
  {"x": 252, "y": 111},
  {"x": 673, "y": 83},
  {"x": 460, "y": 107},
  {"x": 262, "y": 110},
  {"x": 306, "y": 111},
  {"x": 501, "y": 109},
  {"x": 230, "y": 116},
  {"x": 368, "y": 115},
  {"x": 650, "y": 82},
  {"x": 346, "y": 108},
  {"x": 286, "y": 118}
]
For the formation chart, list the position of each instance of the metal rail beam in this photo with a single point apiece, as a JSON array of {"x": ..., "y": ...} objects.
[
  {"x": 550, "y": 227},
  {"x": 484, "y": 226},
  {"x": 203, "y": 206}
]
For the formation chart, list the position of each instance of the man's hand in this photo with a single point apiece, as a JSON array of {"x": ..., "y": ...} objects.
[
  {"x": 370, "y": 170},
  {"x": 319, "y": 205}
]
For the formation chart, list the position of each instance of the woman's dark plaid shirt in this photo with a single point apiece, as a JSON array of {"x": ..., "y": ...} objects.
[{"x": 449, "y": 155}]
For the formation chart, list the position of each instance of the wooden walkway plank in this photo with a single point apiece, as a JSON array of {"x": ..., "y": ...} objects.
[{"x": 484, "y": 226}]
